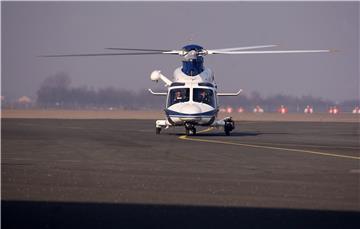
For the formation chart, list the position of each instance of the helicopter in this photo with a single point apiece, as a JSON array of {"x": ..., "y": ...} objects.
[{"x": 192, "y": 97}]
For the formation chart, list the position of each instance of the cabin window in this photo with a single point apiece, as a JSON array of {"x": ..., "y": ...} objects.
[
  {"x": 204, "y": 95},
  {"x": 205, "y": 84},
  {"x": 178, "y": 95},
  {"x": 175, "y": 84}
]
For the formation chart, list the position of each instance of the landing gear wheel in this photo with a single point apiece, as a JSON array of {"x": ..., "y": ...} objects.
[
  {"x": 229, "y": 126},
  {"x": 193, "y": 131},
  {"x": 190, "y": 130},
  {"x": 227, "y": 132},
  {"x": 158, "y": 130}
]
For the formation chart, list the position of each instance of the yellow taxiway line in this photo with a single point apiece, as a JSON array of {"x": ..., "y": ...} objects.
[{"x": 184, "y": 137}]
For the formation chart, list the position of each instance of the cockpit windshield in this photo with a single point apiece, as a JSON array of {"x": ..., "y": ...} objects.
[
  {"x": 203, "y": 95},
  {"x": 178, "y": 95}
]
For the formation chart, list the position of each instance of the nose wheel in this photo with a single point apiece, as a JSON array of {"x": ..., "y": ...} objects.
[{"x": 190, "y": 129}]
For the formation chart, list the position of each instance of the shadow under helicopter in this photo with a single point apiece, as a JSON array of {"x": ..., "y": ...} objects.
[
  {"x": 37, "y": 214},
  {"x": 232, "y": 134}
]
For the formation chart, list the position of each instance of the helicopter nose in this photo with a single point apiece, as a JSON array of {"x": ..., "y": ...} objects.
[{"x": 191, "y": 109}]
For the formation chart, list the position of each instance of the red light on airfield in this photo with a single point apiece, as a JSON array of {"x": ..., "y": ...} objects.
[
  {"x": 334, "y": 110},
  {"x": 258, "y": 109},
  {"x": 241, "y": 110},
  {"x": 356, "y": 110},
  {"x": 283, "y": 109},
  {"x": 308, "y": 109},
  {"x": 229, "y": 110}
]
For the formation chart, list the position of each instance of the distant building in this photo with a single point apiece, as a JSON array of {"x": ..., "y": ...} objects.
[{"x": 24, "y": 100}]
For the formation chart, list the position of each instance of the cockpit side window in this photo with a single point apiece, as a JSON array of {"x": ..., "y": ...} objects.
[
  {"x": 203, "y": 95},
  {"x": 178, "y": 95}
]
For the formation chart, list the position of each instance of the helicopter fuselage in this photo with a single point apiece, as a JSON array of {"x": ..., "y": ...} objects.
[{"x": 192, "y": 99}]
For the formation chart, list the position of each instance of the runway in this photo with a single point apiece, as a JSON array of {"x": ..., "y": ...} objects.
[{"x": 308, "y": 171}]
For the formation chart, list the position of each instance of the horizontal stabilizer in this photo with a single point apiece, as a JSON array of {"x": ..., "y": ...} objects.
[
  {"x": 229, "y": 94},
  {"x": 157, "y": 93}
]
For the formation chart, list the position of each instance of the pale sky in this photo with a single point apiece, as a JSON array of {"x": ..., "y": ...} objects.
[{"x": 30, "y": 29}]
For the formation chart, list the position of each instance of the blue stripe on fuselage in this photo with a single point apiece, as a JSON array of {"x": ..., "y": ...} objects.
[{"x": 171, "y": 113}]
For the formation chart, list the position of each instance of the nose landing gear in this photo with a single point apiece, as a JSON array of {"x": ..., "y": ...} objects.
[{"x": 190, "y": 129}]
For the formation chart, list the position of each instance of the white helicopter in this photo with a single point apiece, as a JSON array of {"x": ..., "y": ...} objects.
[{"x": 192, "y": 96}]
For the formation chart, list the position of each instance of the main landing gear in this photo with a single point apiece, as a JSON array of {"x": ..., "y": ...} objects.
[
  {"x": 229, "y": 126},
  {"x": 190, "y": 129},
  {"x": 158, "y": 130},
  {"x": 160, "y": 124}
]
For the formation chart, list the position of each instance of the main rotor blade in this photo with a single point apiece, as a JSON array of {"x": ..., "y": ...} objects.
[
  {"x": 274, "y": 52},
  {"x": 214, "y": 51},
  {"x": 131, "y": 49},
  {"x": 106, "y": 54}
]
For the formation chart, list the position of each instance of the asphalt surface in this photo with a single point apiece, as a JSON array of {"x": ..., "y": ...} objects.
[{"x": 118, "y": 173}]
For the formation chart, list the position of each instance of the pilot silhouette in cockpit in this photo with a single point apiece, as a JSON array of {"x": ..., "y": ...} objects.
[
  {"x": 204, "y": 98},
  {"x": 178, "y": 97}
]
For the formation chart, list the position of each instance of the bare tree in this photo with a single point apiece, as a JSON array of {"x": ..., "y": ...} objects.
[{"x": 54, "y": 90}]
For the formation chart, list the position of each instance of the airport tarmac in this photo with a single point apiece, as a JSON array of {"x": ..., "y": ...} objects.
[
  {"x": 110, "y": 173},
  {"x": 156, "y": 114}
]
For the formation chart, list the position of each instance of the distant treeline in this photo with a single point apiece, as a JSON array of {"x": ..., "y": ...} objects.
[
  {"x": 272, "y": 103},
  {"x": 56, "y": 91}
]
